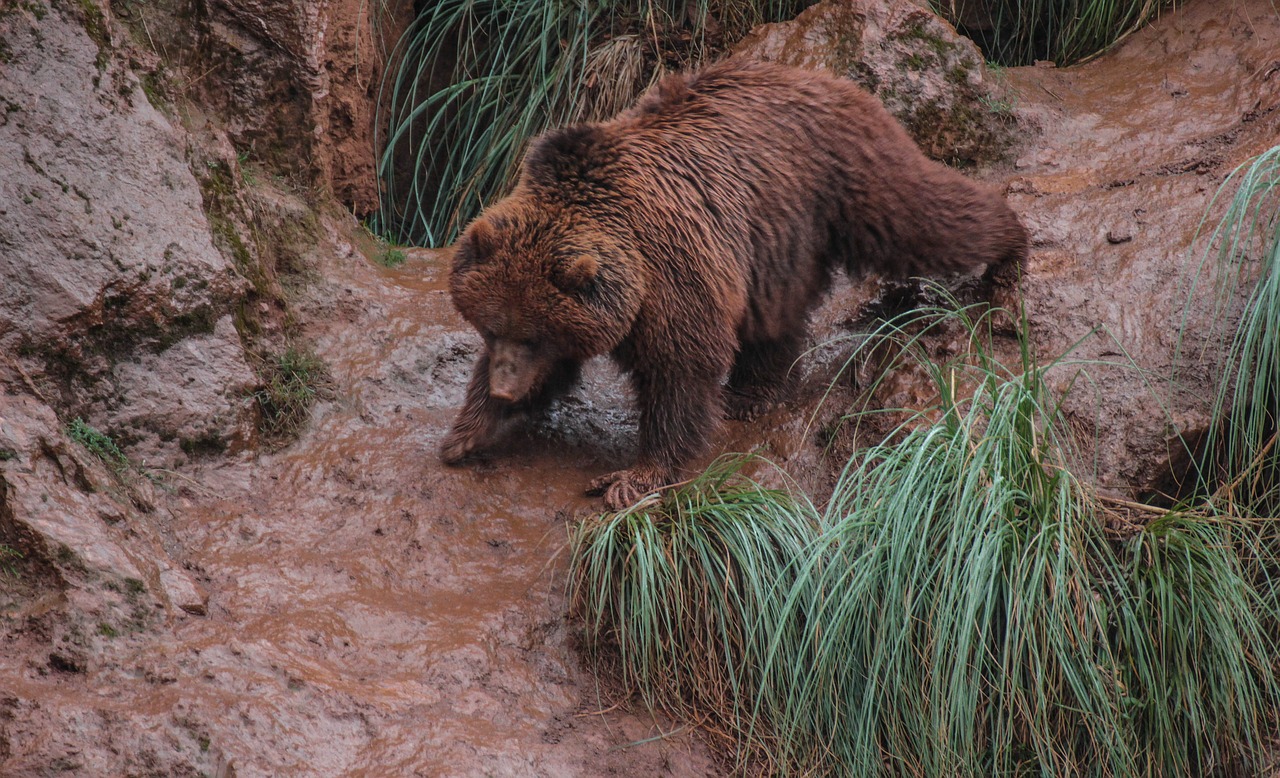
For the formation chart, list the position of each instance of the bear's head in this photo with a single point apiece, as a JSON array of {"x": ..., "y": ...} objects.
[{"x": 542, "y": 284}]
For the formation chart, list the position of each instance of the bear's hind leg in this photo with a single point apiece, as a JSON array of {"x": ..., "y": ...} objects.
[{"x": 761, "y": 377}]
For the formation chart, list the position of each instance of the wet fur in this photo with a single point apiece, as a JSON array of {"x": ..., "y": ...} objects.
[{"x": 691, "y": 236}]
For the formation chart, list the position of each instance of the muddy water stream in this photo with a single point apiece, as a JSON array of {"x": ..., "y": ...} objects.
[{"x": 374, "y": 613}]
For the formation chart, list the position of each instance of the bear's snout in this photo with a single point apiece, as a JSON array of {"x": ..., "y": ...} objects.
[{"x": 512, "y": 370}]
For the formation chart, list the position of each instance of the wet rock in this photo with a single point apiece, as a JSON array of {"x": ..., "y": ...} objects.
[
  {"x": 192, "y": 400},
  {"x": 69, "y": 509},
  {"x": 51, "y": 738},
  {"x": 103, "y": 218},
  {"x": 106, "y": 255},
  {"x": 183, "y": 591},
  {"x": 298, "y": 81},
  {"x": 53, "y": 494},
  {"x": 928, "y": 76}
]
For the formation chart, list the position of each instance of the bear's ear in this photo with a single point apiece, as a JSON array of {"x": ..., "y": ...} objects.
[
  {"x": 475, "y": 247},
  {"x": 565, "y": 155},
  {"x": 574, "y": 274}
]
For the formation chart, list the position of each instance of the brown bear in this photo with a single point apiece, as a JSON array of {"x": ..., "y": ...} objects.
[{"x": 689, "y": 237}]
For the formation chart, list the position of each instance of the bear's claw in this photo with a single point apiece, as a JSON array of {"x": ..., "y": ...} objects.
[
  {"x": 624, "y": 487},
  {"x": 456, "y": 448}
]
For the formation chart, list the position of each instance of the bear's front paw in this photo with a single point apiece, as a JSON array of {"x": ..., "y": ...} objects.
[
  {"x": 456, "y": 447},
  {"x": 625, "y": 487}
]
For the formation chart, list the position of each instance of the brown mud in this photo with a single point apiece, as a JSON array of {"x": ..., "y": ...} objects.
[
  {"x": 1118, "y": 191},
  {"x": 371, "y": 612}
]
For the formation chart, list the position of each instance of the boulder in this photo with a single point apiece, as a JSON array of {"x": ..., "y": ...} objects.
[
  {"x": 928, "y": 76},
  {"x": 106, "y": 255}
]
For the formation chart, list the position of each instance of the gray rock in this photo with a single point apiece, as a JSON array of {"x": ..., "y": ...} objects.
[
  {"x": 114, "y": 293},
  {"x": 103, "y": 221},
  {"x": 192, "y": 399},
  {"x": 928, "y": 76}
]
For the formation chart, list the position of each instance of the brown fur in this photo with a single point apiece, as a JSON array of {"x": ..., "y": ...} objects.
[{"x": 690, "y": 237}]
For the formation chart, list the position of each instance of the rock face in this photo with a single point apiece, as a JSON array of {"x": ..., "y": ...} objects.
[
  {"x": 116, "y": 306},
  {"x": 928, "y": 76},
  {"x": 106, "y": 255},
  {"x": 299, "y": 81}
]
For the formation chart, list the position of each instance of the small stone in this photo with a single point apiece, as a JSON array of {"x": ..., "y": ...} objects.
[
  {"x": 1119, "y": 236},
  {"x": 184, "y": 592}
]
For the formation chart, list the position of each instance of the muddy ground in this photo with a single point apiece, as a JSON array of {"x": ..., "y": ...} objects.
[{"x": 362, "y": 610}]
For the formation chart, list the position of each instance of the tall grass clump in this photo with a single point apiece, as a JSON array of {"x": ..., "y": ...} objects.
[
  {"x": 1243, "y": 473},
  {"x": 1019, "y": 32},
  {"x": 471, "y": 81},
  {"x": 965, "y": 607},
  {"x": 952, "y": 612},
  {"x": 681, "y": 594},
  {"x": 474, "y": 79},
  {"x": 976, "y": 618}
]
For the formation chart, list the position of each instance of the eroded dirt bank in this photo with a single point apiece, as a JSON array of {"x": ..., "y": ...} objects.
[{"x": 347, "y": 606}]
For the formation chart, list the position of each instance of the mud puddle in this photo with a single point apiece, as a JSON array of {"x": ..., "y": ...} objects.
[{"x": 372, "y": 613}]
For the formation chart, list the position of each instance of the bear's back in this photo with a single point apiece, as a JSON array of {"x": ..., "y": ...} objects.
[
  {"x": 809, "y": 147},
  {"x": 792, "y": 173},
  {"x": 751, "y": 182}
]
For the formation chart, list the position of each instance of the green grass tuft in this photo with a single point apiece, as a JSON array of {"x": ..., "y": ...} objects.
[
  {"x": 99, "y": 444},
  {"x": 8, "y": 558},
  {"x": 959, "y": 607},
  {"x": 391, "y": 257},
  {"x": 461, "y": 129},
  {"x": 977, "y": 619},
  {"x": 292, "y": 381},
  {"x": 683, "y": 591},
  {"x": 1244, "y": 473}
]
